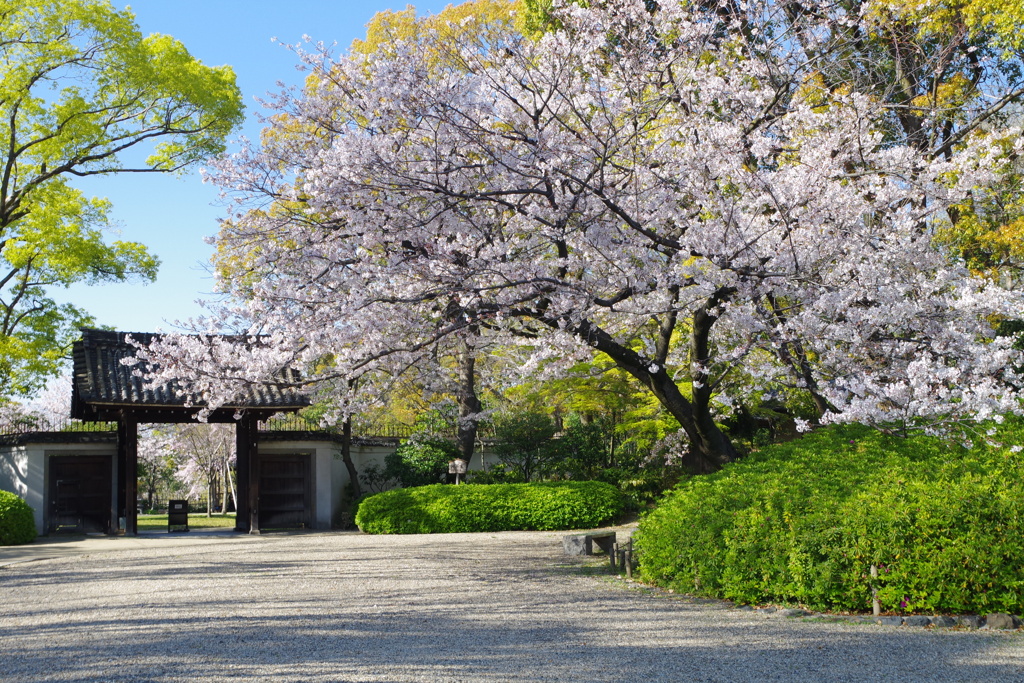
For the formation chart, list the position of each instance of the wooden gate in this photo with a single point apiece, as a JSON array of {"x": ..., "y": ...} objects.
[
  {"x": 285, "y": 495},
  {"x": 80, "y": 494}
]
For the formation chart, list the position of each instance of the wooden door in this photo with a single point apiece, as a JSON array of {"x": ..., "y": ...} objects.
[
  {"x": 79, "y": 494},
  {"x": 284, "y": 492}
]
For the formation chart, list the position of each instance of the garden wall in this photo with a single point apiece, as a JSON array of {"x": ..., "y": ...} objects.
[{"x": 25, "y": 461}]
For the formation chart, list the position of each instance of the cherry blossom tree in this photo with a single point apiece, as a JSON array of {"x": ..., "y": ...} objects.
[
  {"x": 676, "y": 192},
  {"x": 156, "y": 466},
  {"x": 203, "y": 456},
  {"x": 50, "y": 410}
]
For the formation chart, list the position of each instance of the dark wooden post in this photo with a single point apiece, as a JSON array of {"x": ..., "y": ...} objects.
[
  {"x": 122, "y": 468},
  {"x": 247, "y": 512},
  {"x": 242, "y": 465},
  {"x": 254, "y": 475},
  {"x": 127, "y": 471}
]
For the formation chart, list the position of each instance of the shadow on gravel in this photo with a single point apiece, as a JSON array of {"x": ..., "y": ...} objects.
[
  {"x": 404, "y": 644},
  {"x": 412, "y": 610}
]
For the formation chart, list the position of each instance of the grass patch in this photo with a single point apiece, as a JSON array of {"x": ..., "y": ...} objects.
[{"x": 199, "y": 521}]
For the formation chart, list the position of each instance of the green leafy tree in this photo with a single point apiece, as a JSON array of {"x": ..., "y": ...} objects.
[
  {"x": 423, "y": 458},
  {"x": 83, "y": 93},
  {"x": 420, "y": 461},
  {"x": 585, "y": 449},
  {"x": 524, "y": 444},
  {"x": 988, "y": 236}
]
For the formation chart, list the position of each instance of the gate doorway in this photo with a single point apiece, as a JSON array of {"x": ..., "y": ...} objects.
[
  {"x": 79, "y": 494},
  {"x": 109, "y": 386},
  {"x": 285, "y": 493}
]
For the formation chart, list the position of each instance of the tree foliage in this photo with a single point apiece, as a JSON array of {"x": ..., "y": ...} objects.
[
  {"x": 719, "y": 198},
  {"x": 83, "y": 93},
  {"x": 988, "y": 235},
  {"x": 523, "y": 445},
  {"x": 449, "y": 369},
  {"x": 420, "y": 460},
  {"x": 479, "y": 21}
]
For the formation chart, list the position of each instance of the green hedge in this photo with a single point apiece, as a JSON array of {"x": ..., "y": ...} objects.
[
  {"x": 803, "y": 522},
  {"x": 445, "y": 508},
  {"x": 17, "y": 524}
]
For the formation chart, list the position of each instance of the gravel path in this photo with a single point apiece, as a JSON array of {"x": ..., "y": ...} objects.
[{"x": 460, "y": 607}]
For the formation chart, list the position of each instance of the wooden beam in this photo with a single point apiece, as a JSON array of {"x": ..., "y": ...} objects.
[
  {"x": 131, "y": 478},
  {"x": 174, "y": 414}
]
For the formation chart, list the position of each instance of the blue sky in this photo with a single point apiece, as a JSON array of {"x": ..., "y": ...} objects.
[{"x": 172, "y": 215}]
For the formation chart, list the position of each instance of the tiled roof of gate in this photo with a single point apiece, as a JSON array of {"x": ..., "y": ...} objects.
[{"x": 101, "y": 378}]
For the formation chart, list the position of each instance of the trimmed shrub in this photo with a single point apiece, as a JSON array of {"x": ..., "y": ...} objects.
[
  {"x": 804, "y": 522},
  {"x": 17, "y": 525},
  {"x": 490, "y": 507}
]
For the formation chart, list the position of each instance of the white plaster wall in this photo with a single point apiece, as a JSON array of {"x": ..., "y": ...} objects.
[
  {"x": 24, "y": 469},
  {"x": 321, "y": 464},
  {"x": 323, "y": 493},
  {"x": 363, "y": 454},
  {"x": 23, "y": 475},
  {"x": 367, "y": 454},
  {"x": 483, "y": 458},
  {"x": 14, "y": 470}
]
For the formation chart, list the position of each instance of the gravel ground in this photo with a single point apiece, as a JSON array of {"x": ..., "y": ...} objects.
[{"x": 482, "y": 607}]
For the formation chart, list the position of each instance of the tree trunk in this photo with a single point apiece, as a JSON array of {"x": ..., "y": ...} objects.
[
  {"x": 469, "y": 403},
  {"x": 793, "y": 355},
  {"x": 224, "y": 486},
  {"x": 709, "y": 447},
  {"x": 229, "y": 485},
  {"x": 346, "y": 456},
  {"x": 211, "y": 491}
]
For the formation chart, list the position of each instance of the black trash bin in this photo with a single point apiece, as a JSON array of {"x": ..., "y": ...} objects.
[{"x": 177, "y": 515}]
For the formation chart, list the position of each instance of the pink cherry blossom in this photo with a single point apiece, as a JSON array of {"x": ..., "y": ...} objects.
[{"x": 629, "y": 184}]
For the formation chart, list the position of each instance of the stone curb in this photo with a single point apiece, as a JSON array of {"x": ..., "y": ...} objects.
[{"x": 989, "y": 622}]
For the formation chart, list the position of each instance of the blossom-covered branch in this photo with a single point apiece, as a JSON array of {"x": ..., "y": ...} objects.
[{"x": 636, "y": 183}]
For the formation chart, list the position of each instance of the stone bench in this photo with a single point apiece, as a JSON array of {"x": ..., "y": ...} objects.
[{"x": 583, "y": 544}]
